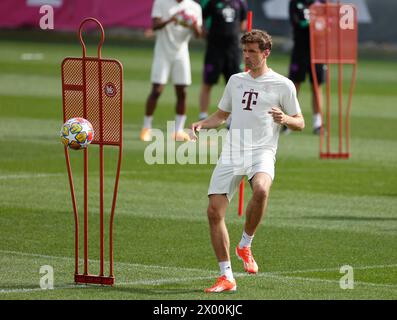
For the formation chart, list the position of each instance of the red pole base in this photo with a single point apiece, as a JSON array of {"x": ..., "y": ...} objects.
[
  {"x": 89, "y": 278},
  {"x": 329, "y": 155}
]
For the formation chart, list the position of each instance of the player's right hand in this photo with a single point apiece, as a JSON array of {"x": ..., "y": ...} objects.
[{"x": 196, "y": 127}]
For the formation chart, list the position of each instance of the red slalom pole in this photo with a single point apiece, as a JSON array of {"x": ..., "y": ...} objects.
[
  {"x": 241, "y": 199},
  {"x": 249, "y": 20},
  {"x": 241, "y": 192}
]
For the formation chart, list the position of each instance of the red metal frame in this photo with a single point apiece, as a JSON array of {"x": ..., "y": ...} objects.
[
  {"x": 242, "y": 184},
  {"x": 324, "y": 50},
  {"x": 83, "y": 81}
]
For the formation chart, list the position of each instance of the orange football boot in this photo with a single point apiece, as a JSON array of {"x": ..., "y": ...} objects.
[
  {"x": 245, "y": 254},
  {"x": 222, "y": 285},
  {"x": 146, "y": 134}
]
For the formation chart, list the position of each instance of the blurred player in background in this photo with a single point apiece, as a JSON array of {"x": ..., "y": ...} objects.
[
  {"x": 300, "y": 57},
  {"x": 174, "y": 22},
  {"x": 225, "y": 20},
  {"x": 260, "y": 102}
]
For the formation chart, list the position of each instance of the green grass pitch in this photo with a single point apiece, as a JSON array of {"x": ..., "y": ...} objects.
[{"x": 322, "y": 214}]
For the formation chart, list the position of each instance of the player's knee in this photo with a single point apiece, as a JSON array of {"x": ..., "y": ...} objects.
[
  {"x": 260, "y": 193},
  {"x": 214, "y": 214},
  {"x": 156, "y": 92},
  {"x": 181, "y": 94}
]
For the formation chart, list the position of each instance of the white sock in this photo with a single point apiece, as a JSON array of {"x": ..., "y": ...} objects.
[
  {"x": 147, "y": 122},
  {"x": 246, "y": 240},
  {"x": 317, "y": 120},
  {"x": 226, "y": 270},
  {"x": 203, "y": 115},
  {"x": 180, "y": 122}
]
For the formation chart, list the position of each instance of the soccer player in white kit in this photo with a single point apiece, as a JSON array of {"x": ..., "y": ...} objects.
[
  {"x": 171, "y": 57},
  {"x": 261, "y": 101}
]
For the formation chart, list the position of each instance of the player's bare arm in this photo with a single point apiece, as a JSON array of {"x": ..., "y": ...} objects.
[
  {"x": 213, "y": 121},
  {"x": 198, "y": 31},
  {"x": 295, "y": 122},
  {"x": 158, "y": 23}
]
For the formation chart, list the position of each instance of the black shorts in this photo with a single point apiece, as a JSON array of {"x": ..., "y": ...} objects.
[
  {"x": 220, "y": 60},
  {"x": 300, "y": 65}
]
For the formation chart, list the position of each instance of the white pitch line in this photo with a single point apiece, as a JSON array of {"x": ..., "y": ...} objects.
[
  {"x": 381, "y": 266},
  {"x": 138, "y": 265},
  {"x": 23, "y": 290},
  {"x": 282, "y": 277},
  {"x": 163, "y": 281},
  {"x": 126, "y": 283},
  {"x": 187, "y": 279},
  {"x": 277, "y": 275},
  {"x": 47, "y": 175},
  {"x": 135, "y": 265},
  {"x": 242, "y": 275},
  {"x": 29, "y": 176}
]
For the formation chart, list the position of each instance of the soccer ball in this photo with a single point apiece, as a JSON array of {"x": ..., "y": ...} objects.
[
  {"x": 185, "y": 19},
  {"x": 77, "y": 133}
]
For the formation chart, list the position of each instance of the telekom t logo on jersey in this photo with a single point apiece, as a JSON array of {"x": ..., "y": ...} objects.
[{"x": 250, "y": 98}]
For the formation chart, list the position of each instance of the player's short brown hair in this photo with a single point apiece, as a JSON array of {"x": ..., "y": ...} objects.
[{"x": 262, "y": 38}]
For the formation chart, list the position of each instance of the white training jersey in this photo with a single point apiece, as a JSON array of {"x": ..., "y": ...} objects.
[
  {"x": 173, "y": 39},
  {"x": 249, "y": 100}
]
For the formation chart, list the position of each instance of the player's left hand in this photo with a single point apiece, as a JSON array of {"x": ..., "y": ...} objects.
[{"x": 278, "y": 116}]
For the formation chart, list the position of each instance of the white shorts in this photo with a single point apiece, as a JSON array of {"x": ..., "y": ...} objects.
[
  {"x": 227, "y": 175},
  {"x": 178, "y": 67}
]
